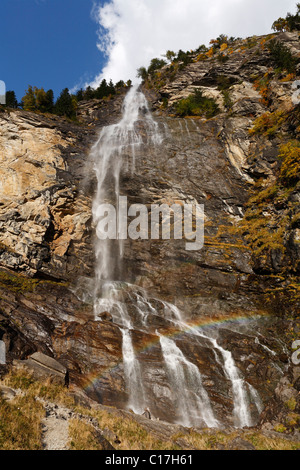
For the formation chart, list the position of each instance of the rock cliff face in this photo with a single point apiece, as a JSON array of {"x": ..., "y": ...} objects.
[
  {"x": 248, "y": 265},
  {"x": 43, "y": 217}
]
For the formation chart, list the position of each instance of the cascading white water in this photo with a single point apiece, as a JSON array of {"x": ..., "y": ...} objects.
[
  {"x": 116, "y": 151},
  {"x": 242, "y": 415},
  {"x": 256, "y": 398},
  {"x": 193, "y": 403},
  {"x": 241, "y": 412},
  {"x": 133, "y": 375}
]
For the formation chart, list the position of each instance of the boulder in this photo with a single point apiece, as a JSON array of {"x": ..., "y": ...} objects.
[{"x": 44, "y": 367}]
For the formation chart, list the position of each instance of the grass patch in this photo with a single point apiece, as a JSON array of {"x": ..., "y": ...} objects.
[
  {"x": 22, "y": 284},
  {"x": 131, "y": 434},
  {"x": 83, "y": 436},
  {"x": 17, "y": 283},
  {"x": 20, "y": 424},
  {"x": 21, "y": 380},
  {"x": 219, "y": 440},
  {"x": 262, "y": 442}
]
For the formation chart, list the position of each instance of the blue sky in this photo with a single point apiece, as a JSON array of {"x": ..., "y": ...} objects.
[
  {"x": 47, "y": 43},
  {"x": 60, "y": 43}
]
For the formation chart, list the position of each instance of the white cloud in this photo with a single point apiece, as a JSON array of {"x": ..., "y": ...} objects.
[{"x": 132, "y": 32}]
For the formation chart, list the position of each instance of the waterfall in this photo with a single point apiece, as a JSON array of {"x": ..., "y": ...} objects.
[
  {"x": 256, "y": 398},
  {"x": 133, "y": 376},
  {"x": 242, "y": 415},
  {"x": 130, "y": 307},
  {"x": 241, "y": 412},
  {"x": 116, "y": 150},
  {"x": 193, "y": 403}
]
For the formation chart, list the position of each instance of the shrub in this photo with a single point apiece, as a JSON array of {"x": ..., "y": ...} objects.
[
  {"x": 142, "y": 73},
  {"x": 282, "y": 57},
  {"x": 222, "y": 58},
  {"x": 280, "y": 25},
  {"x": 184, "y": 57},
  {"x": 170, "y": 56},
  {"x": 201, "y": 49},
  {"x": 291, "y": 404},
  {"x": 227, "y": 99},
  {"x": 210, "y": 53},
  {"x": 289, "y": 23},
  {"x": 280, "y": 428},
  {"x": 290, "y": 169},
  {"x": 155, "y": 64},
  {"x": 268, "y": 124},
  {"x": 263, "y": 86},
  {"x": 197, "y": 105},
  {"x": 224, "y": 82},
  {"x": 223, "y": 47},
  {"x": 289, "y": 78},
  {"x": 201, "y": 57}
]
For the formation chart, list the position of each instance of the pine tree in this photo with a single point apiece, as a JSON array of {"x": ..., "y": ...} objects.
[
  {"x": 64, "y": 105},
  {"x": 11, "y": 99},
  {"x": 90, "y": 93},
  {"x": 170, "y": 56},
  {"x": 142, "y": 73},
  {"x": 49, "y": 103},
  {"x": 40, "y": 99},
  {"x": 111, "y": 88},
  {"x": 155, "y": 65},
  {"x": 80, "y": 95},
  {"x": 102, "y": 90},
  {"x": 29, "y": 100},
  {"x": 280, "y": 25},
  {"x": 120, "y": 84}
]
